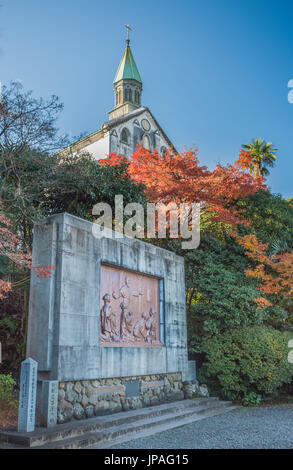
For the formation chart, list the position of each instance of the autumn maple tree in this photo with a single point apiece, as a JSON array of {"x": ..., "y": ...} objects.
[
  {"x": 10, "y": 247},
  {"x": 275, "y": 272},
  {"x": 179, "y": 178}
]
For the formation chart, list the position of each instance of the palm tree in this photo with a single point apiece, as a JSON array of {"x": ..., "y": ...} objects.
[{"x": 262, "y": 155}]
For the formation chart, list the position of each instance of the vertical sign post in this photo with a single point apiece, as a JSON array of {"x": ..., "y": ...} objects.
[
  {"x": 49, "y": 403},
  {"x": 28, "y": 393}
]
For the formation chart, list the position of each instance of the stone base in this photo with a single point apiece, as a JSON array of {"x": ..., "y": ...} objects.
[{"x": 88, "y": 398}]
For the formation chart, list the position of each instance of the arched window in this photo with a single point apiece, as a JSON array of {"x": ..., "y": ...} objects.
[
  {"x": 146, "y": 142},
  {"x": 125, "y": 137},
  {"x": 119, "y": 96},
  {"x": 128, "y": 94}
]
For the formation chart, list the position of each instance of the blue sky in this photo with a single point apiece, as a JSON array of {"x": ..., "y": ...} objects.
[{"x": 215, "y": 72}]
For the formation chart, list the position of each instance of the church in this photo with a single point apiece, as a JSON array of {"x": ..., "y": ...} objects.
[{"x": 130, "y": 124}]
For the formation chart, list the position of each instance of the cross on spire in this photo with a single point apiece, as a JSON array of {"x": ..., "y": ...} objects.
[{"x": 128, "y": 28}]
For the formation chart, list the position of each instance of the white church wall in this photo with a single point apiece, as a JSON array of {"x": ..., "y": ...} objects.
[
  {"x": 99, "y": 149},
  {"x": 112, "y": 141}
]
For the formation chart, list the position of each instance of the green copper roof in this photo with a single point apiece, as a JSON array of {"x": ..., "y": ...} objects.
[{"x": 127, "y": 67}]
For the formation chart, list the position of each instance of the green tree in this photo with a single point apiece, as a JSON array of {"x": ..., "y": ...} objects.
[
  {"x": 247, "y": 359},
  {"x": 262, "y": 155},
  {"x": 219, "y": 295},
  {"x": 271, "y": 219}
]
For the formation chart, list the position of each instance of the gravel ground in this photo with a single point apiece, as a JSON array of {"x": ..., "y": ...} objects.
[{"x": 269, "y": 427}]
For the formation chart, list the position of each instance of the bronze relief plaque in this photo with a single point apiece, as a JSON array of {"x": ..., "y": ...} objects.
[{"x": 129, "y": 308}]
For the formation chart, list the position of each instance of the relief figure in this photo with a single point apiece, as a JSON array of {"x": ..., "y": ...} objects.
[
  {"x": 139, "y": 330},
  {"x": 108, "y": 320},
  {"x": 150, "y": 326},
  {"x": 125, "y": 314}
]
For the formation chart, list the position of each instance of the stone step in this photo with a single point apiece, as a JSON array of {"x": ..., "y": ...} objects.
[
  {"x": 141, "y": 428},
  {"x": 105, "y": 431},
  {"x": 162, "y": 428},
  {"x": 77, "y": 428}
]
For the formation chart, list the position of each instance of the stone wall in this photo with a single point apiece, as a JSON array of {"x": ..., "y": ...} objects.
[
  {"x": 64, "y": 313},
  {"x": 87, "y": 398},
  {"x": 64, "y": 322}
]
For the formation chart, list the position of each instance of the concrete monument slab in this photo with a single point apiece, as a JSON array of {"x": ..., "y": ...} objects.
[{"x": 27, "y": 397}]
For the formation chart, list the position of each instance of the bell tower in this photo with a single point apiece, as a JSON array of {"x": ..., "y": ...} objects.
[{"x": 127, "y": 84}]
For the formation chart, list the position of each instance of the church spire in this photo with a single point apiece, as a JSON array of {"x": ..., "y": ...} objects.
[
  {"x": 127, "y": 68},
  {"x": 127, "y": 83}
]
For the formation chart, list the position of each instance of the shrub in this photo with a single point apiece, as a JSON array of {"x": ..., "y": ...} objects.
[
  {"x": 7, "y": 384},
  {"x": 248, "y": 359},
  {"x": 251, "y": 399}
]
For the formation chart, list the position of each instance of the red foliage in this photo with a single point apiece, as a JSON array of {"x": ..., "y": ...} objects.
[
  {"x": 244, "y": 160},
  {"x": 274, "y": 272},
  {"x": 179, "y": 178},
  {"x": 10, "y": 247},
  {"x": 113, "y": 159}
]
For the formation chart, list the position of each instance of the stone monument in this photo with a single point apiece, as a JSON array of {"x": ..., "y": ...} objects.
[
  {"x": 27, "y": 396},
  {"x": 109, "y": 324}
]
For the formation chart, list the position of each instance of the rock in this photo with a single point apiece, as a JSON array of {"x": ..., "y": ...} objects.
[
  {"x": 125, "y": 405},
  {"x": 93, "y": 399},
  {"x": 78, "y": 398},
  {"x": 85, "y": 383},
  {"x": 146, "y": 400},
  {"x": 89, "y": 411},
  {"x": 115, "y": 407},
  {"x": 188, "y": 392},
  {"x": 69, "y": 386},
  {"x": 188, "y": 389},
  {"x": 78, "y": 411},
  {"x": 77, "y": 387},
  {"x": 191, "y": 389},
  {"x": 167, "y": 389},
  {"x": 95, "y": 383},
  {"x": 71, "y": 396},
  {"x": 65, "y": 412},
  {"x": 84, "y": 401},
  {"x": 176, "y": 385},
  {"x": 203, "y": 390},
  {"x": 154, "y": 400},
  {"x": 116, "y": 398},
  {"x": 139, "y": 404},
  {"x": 61, "y": 384},
  {"x": 61, "y": 394},
  {"x": 89, "y": 390}
]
